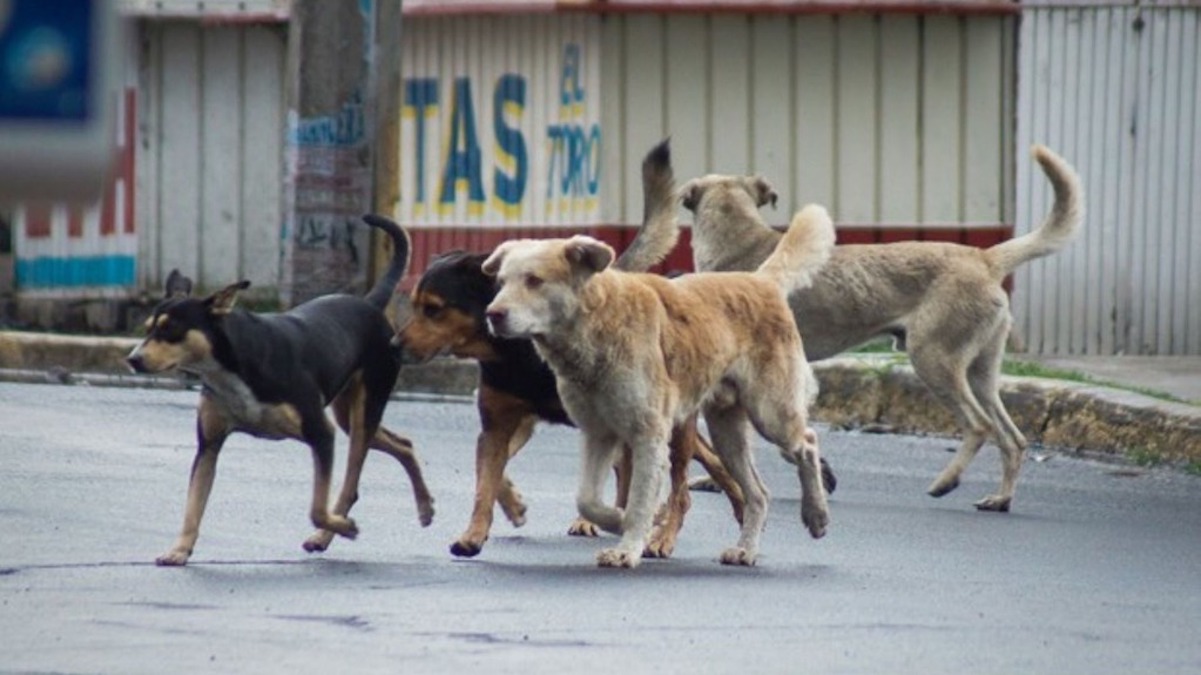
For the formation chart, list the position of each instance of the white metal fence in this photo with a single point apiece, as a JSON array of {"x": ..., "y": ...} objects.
[{"x": 1116, "y": 88}]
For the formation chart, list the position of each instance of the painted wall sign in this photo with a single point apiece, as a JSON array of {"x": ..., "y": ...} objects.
[{"x": 505, "y": 132}]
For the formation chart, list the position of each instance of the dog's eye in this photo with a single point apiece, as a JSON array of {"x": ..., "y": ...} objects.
[
  {"x": 168, "y": 331},
  {"x": 431, "y": 311},
  {"x": 533, "y": 281}
]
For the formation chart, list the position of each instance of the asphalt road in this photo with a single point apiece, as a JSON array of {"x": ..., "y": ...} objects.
[{"x": 1097, "y": 569}]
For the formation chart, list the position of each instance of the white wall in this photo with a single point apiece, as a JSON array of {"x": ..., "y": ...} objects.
[
  {"x": 1117, "y": 90},
  {"x": 210, "y": 152}
]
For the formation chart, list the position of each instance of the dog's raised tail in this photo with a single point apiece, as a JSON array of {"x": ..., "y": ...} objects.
[
  {"x": 803, "y": 249},
  {"x": 1057, "y": 228},
  {"x": 381, "y": 293},
  {"x": 659, "y": 232}
]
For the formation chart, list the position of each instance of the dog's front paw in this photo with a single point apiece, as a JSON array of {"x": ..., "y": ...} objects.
[
  {"x": 618, "y": 558},
  {"x": 583, "y": 528},
  {"x": 466, "y": 548},
  {"x": 661, "y": 545},
  {"x": 425, "y": 513},
  {"x": 341, "y": 526},
  {"x": 942, "y": 486},
  {"x": 318, "y": 542},
  {"x": 816, "y": 518},
  {"x": 995, "y": 503},
  {"x": 736, "y": 555},
  {"x": 704, "y": 484},
  {"x": 173, "y": 558},
  {"x": 514, "y": 508}
]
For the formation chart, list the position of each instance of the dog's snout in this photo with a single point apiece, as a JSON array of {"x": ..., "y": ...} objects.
[
  {"x": 496, "y": 319},
  {"x": 136, "y": 363}
]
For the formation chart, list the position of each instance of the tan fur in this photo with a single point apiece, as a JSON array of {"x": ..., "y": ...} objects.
[
  {"x": 945, "y": 300},
  {"x": 636, "y": 355}
]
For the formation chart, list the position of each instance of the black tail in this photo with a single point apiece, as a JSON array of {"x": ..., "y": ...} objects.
[
  {"x": 381, "y": 293},
  {"x": 658, "y": 234}
]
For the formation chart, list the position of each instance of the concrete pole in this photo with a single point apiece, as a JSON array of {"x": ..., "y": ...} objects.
[{"x": 386, "y": 85}]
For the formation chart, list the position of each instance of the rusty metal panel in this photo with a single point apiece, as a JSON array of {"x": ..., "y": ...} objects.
[{"x": 1115, "y": 90}]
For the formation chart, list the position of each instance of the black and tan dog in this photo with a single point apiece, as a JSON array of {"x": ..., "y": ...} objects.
[
  {"x": 272, "y": 375},
  {"x": 516, "y": 388}
]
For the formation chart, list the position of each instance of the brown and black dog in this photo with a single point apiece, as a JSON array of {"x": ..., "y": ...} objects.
[
  {"x": 517, "y": 389},
  {"x": 272, "y": 375}
]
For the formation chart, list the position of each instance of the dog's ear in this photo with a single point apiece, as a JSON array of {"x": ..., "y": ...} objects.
[
  {"x": 763, "y": 192},
  {"x": 492, "y": 264},
  {"x": 588, "y": 253},
  {"x": 177, "y": 285},
  {"x": 691, "y": 192},
  {"x": 222, "y": 302}
]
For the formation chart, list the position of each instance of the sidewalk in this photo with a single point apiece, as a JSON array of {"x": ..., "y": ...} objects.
[
  {"x": 1110, "y": 412},
  {"x": 1179, "y": 376}
]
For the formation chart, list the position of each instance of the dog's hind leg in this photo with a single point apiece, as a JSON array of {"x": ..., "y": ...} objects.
[
  {"x": 401, "y": 449},
  {"x": 983, "y": 380},
  {"x": 319, "y": 434},
  {"x": 722, "y": 480},
  {"x": 728, "y": 429},
  {"x": 211, "y": 432},
  {"x": 349, "y": 413},
  {"x": 783, "y": 421},
  {"x": 684, "y": 441},
  {"x": 509, "y": 497},
  {"x": 946, "y": 376}
]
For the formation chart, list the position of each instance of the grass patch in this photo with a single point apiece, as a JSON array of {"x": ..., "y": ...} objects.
[
  {"x": 1144, "y": 457},
  {"x": 1031, "y": 369},
  {"x": 880, "y": 345},
  {"x": 1193, "y": 468}
]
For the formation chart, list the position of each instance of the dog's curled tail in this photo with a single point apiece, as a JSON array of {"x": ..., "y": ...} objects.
[
  {"x": 1057, "y": 228},
  {"x": 803, "y": 250},
  {"x": 381, "y": 293},
  {"x": 659, "y": 232}
]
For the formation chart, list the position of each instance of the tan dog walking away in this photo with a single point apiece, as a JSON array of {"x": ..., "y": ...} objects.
[
  {"x": 944, "y": 302},
  {"x": 635, "y": 355}
]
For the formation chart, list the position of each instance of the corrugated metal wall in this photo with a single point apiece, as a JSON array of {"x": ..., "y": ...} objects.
[
  {"x": 900, "y": 123},
  {"x": 210, "y": 152},
  {"x": 1117, "y": 90},
  {"x": 896, "y": 120}
]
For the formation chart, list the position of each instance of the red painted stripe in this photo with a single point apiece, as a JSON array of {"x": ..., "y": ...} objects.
[
  {"x": 108, "y": 210},
  {"x": 953, "y": 235},
  {"x": 75, "y": 222},
  {"x": 129, "y": 157},
  {"x": 430, "y": 242},
  {"x": 37, "y": 221}
]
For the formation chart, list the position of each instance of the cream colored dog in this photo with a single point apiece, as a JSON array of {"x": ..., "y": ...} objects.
[
  {"x": 943, "y": 301},
  {"x": 637, "y": 354}
]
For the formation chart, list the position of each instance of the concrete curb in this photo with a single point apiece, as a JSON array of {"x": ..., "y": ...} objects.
[{"x": 870, "y": 391}]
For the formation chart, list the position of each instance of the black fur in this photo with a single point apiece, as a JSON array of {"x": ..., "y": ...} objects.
[
  {"x": 457, "y": 278},
  {"x": 272, "y": 375}
]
